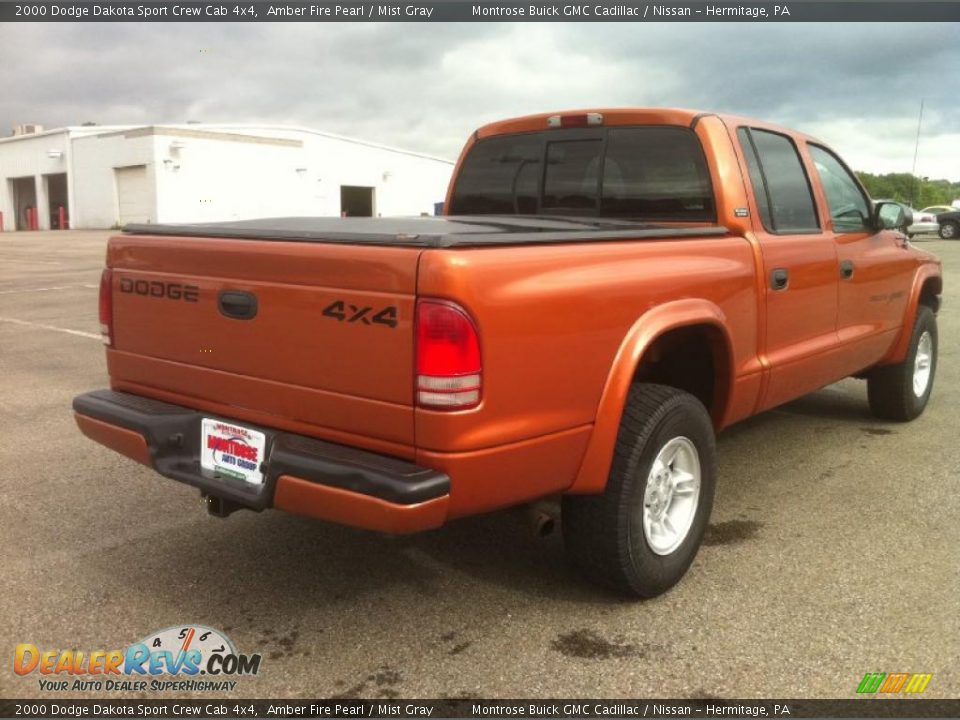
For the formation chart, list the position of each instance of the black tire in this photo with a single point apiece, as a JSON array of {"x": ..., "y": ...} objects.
[
  {"x": 604, "y": 534},
  {"x": 949, "y": 230},
  {"x": 890, "y": 389}
]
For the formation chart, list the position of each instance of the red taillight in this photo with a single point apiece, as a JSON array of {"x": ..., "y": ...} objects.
[
  {"x": 571, "y": 121},
  {"x": 448, "y": 357},
  {"x": 106, "y": 306}
]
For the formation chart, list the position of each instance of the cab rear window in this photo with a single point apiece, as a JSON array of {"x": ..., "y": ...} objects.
[{"x": 649, "y": 172}]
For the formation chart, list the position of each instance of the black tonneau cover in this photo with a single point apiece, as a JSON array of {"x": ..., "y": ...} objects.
[{"x": 438, "y": 232}]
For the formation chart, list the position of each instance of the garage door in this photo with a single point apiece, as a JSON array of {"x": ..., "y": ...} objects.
[{"x": 134, "y": 198}]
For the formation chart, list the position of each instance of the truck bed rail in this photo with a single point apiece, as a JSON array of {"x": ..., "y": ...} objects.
[{"x": 434, "y": 232}]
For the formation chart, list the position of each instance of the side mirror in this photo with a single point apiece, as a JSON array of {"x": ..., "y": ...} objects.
[{"x": 889, "y": 215}]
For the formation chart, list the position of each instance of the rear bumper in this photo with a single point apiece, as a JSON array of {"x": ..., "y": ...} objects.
[{"x": 302, "y": 475}]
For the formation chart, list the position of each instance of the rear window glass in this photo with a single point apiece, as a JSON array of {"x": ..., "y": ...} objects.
[
  {"x": 657, "y": 173},
  {"x": 501, "y": 175},
  {"x": 572, "y": 175}
]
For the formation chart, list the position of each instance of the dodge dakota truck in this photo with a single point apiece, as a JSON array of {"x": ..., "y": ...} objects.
[{"x": 607, "y": 290}]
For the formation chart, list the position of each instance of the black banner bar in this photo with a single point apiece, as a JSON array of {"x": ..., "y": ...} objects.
[
  {"x": 392, "y": 708},
  {"x": 859, "y": 11}
]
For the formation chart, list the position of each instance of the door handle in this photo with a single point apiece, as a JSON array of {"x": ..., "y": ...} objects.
[
  {"x": 237, "y": 304},
  {"x": 846, "y": 269},
  {"x": 779, "y": 278}
]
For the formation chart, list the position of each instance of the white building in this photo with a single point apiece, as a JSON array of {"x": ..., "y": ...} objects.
[{"x": 108, "y": 176}]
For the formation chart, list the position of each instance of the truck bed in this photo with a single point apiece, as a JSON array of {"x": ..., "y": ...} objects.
[{"x": 434, "y": 232}]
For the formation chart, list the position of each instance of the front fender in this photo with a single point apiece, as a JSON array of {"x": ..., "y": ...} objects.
[
  {"x": 592, "y": 476},
  {"x": 925, "y": 272}
]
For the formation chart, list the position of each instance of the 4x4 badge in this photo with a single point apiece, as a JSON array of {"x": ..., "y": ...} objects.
[{"x": 345, "y": 312}]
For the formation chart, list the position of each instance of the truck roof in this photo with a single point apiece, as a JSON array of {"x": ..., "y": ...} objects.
[{"x": 631, "y": 116}]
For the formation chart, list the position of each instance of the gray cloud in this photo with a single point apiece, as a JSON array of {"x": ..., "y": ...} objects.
[{"x": 425, "y": 87}]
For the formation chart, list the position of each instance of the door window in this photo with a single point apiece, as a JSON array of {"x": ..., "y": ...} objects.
[
  {"x": 849, "y": 209},
  {"x": 779, "y": 181}
]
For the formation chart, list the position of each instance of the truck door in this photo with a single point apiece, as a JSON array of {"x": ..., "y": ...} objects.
[
  {"x": 875, "y": 271},
  {"x": 799, "y": 273}
]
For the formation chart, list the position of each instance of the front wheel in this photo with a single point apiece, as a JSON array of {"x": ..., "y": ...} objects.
[
  {"x": 901, "y": 391},
  {"x": 641, "y": 534},
  {"x": 949, "y": 230}
]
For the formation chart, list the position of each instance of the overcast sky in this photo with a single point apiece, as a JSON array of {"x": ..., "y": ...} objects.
[{"x": 426, "y": 87}]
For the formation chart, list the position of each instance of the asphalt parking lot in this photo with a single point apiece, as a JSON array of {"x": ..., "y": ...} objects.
[{"x": 834, "y": 549}]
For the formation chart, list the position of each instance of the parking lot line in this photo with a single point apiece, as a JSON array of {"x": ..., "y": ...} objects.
[
  {"x": 27, "y": 323},
  {"x": 47, "y": 289}
]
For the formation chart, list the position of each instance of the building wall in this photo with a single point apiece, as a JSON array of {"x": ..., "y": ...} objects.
[
  {"x": 94, "y": 184},
  {"x": 404, "y": 184},
  {"x": 207, "y": 179},
  {"x": 30, "y": 157},
  {"x": 204, "y": 173},
  {"x": 289, "y": 173}
]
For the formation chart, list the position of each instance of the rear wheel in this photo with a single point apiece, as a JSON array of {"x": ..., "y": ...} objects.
[
  {"x": 949, "y": 230},
  {"x": 901, "y": 391},
  {"x": 642, "y": 533}
]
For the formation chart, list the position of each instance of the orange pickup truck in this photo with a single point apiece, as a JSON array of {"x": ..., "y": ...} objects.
[{"x": 607, "y": 290}]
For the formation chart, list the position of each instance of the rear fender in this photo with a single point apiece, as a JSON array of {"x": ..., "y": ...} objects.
[{"x": 592, "y": 476}]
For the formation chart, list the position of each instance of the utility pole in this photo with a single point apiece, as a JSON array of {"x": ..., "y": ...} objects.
[{"x": 916, "y": 149}]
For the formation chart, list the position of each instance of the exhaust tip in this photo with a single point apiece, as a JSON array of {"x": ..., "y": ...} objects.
[
  {"x": 544, "y": 525},
  {"x": 542, "y": 517}
]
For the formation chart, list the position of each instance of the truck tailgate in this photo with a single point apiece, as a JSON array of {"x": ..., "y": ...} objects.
[{"x": 328, "y": 343}]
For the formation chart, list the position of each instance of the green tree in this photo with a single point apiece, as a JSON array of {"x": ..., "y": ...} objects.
[{"x": 907, "y": 188}]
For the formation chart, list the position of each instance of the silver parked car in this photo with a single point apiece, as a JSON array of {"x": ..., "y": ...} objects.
[{"x": 924, "y": 221}]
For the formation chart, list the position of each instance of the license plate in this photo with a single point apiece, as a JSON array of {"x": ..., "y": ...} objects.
[{"x": 232, "y": 451}]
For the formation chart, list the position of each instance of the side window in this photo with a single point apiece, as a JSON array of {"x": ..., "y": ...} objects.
[
  {"x": 849, "y": 209},
  {"x": 779, "y": 182}
]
